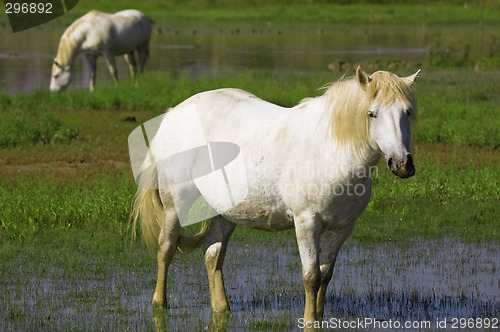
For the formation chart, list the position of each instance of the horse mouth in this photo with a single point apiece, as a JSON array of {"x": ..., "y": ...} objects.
[{"x": 402, "y": 168}]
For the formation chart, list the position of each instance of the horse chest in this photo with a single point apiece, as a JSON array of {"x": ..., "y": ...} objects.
[{"x": 346, "y": 206}]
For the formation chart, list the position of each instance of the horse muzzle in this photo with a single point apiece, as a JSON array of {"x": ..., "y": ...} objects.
[{"x": 402, "y": 168}]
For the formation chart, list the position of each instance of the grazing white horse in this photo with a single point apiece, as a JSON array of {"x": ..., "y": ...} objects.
[
  {"x": 307, "y": 167},
  {"x": 97, "y": 33}
]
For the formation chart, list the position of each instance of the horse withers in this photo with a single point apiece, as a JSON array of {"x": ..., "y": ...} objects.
[
  {"x": 307, "y": 167},
  {"x": 101, "y": 34}
]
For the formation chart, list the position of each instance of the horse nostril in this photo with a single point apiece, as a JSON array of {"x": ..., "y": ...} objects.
[
  {"x": 389, "y": 162},
  {"x": 409, "y": 161}
]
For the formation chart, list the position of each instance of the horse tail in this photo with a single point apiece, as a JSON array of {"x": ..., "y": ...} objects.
[{"x": 148, "y": 207}]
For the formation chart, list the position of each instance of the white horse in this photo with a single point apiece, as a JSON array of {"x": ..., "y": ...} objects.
[
  {"x": 307, "y": 167},
  {"x": 97, "y": 33}
]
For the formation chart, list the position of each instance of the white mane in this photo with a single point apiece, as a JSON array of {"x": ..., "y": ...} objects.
[{"x": 347, "y": 104}]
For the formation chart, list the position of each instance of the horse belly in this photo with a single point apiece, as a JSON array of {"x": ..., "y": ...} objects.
[
  {"x": 126, "y": 42},
  {"x": 257, "y": 215}
]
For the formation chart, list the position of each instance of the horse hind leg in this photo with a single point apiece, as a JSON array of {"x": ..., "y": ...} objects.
[
  {"x": 167, "y": 247},
  {"x": 132, "y": 65},
  {"x": 142, "y": 55},
  {"x": 215, "y": 251}
]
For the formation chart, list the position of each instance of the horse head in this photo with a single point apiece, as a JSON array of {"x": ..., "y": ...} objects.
[
  {"x": 61, "y": 77},
  {"x": 392, "y": 109}
]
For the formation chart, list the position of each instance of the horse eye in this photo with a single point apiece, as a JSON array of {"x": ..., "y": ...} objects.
[
  {"x": 56, "y": 75},
  {"x": 371, "y": 114}
]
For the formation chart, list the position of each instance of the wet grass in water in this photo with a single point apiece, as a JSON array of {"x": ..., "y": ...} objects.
[{"x": 72, "y": 279}]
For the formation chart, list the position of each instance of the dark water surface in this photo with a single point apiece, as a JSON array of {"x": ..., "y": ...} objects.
[
  {"x": 424, "y": 281},
  {"x": 210, "y": 48}
]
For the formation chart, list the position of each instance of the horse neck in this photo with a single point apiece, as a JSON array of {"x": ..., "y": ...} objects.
[
  {"x": 348, "y": 155},
  {"x": 354, "y": 162},
  {"x": 69, "y": 45}
]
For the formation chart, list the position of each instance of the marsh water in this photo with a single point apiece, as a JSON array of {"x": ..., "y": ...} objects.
[
  {"x": 211, "y": 48},
  {"x": 423, "y": 281}
]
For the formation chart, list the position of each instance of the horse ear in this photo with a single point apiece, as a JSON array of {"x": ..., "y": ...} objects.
[
  {"x": 412, "y": 78},
  {"x": 362, "y": 77}
]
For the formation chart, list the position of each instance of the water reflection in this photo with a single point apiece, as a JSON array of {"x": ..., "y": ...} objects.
[{"x": 212, "y": 47}]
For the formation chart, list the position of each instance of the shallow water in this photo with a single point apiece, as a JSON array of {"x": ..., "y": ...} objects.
[
  {"x": 212, "y": 47},
  {"x": 426, "y": 280}
]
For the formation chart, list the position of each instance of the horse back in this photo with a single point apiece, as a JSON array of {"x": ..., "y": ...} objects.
[
  {"x": 131, "y": 24},
  {"x": 118, "y": 33}
]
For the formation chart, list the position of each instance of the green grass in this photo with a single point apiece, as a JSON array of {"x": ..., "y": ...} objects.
[
  {"x": 314, "y": 11},
  {"x": 83, "y": 179},
  {"x": 342, "y": 11},
  {"x": 435, "y": 203},
  {"x": 21, "y": 128},
  {"x": 43, "y": 201},
  {"x": 159, "y": 91},
  {"x": 458, "y": 106}
]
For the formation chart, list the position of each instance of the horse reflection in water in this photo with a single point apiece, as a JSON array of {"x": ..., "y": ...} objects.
[
  {"x": 101, "y": 34},
  {"x": 355, "y": 123}
]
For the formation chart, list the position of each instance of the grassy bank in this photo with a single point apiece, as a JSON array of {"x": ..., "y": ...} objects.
[
  {"x": 458, "y": 106},
  {"x": 85, "y": 181},
  {"x": 456, "y": 198},
  {"x": 351, "y": 12},
  {"x": 317, "y": 11}
]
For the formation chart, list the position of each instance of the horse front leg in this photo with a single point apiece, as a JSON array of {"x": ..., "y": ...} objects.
[
  {"x": 330, "y": 244},
  {"x": 110, "y": 61},
  {"x": 92, "y": 61},
  {"x": 308, "y": 230},
  {"x": 215, "y": 251}
]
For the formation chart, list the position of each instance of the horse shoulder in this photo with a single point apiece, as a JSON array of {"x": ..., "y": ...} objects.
[{"x": 94, "y": 16}]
